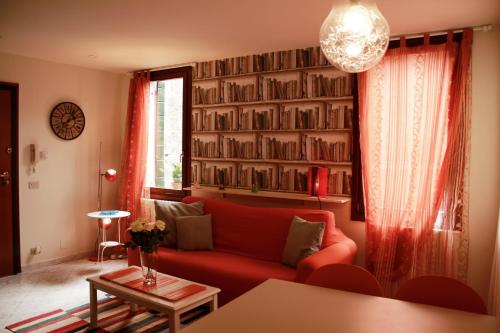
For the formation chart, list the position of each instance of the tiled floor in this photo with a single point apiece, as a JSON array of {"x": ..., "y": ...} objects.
[{"x": 48, "y": 288}]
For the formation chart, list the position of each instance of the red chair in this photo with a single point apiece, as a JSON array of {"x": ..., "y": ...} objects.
[
  {"x": 442, "y": 291},
  {"x": 345, "y": 277}
]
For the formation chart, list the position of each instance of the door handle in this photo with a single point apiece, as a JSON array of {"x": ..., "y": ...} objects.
[{"x": 5, "y": 178}]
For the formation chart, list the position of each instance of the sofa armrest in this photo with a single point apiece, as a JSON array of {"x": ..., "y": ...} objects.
[{"x": 341, "y": 252}]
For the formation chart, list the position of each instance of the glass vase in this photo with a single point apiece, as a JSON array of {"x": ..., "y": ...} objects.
[{"x": 149, "y": 261}]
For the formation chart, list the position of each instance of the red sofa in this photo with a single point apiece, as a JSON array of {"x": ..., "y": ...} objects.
[{"x": 248, "y": 246}]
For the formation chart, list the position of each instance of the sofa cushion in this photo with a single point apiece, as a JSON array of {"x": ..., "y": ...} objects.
[
  {"x": 194, "y": 232},
  {"x": 167, "y": 211},
  {"x": 256, "y": 232},
  {"x": 304, "y": 238},
  {"x": 233, "y": 274}
]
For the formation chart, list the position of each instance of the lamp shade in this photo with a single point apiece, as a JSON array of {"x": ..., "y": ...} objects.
[
  {"x": 354, "y": 36},
  {"x": 110, "y": 175},
  {"x": 317, "y": 181},
  {"x": 105, "y": 223}
]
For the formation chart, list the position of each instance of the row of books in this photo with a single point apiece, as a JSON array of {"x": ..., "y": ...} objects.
[
  {"x": 268, "y": 89},
  {"x": 248, "y": 176},
  {"x": 236, "y": 149},
  {"x": 281, "y": 150},
  {"x": 339, "y": 116},
  {"x": 323, "y": 86},
  {"x": 310, "y": 57},
  {"x": 209, "y": 149},
  {"x": 281, "y": 179},
  {"x": 292, "y": 180},
  {"x": 232, "y": 92},
  {"x": 270, "y": 148},
  {"x": 205, "y": 95},
  {"x": 322, "y": 150},
  {"x": 339, "y": 182},
  {"x": 213, "y": 121},
  {"x": 277, "y": 89},
  {"x": 331, "y": 117},
  {"x": 212, "y": 175},
  {"x": 270, "y": 61}
]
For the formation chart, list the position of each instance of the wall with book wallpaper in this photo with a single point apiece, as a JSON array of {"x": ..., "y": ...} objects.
[{"x": 264, "y": 119}]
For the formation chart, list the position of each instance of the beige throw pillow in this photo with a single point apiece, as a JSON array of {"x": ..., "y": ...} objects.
[
  {"x": 194, "y": 232},
  {"x": 304, "y": 239},
  {"x": 167, "y": 211}
]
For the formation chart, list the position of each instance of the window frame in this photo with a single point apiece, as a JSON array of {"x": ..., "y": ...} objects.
[{"x": 186, "y": 73}]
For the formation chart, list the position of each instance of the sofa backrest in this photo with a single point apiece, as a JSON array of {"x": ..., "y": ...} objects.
[{"x": 258, "y": 232}]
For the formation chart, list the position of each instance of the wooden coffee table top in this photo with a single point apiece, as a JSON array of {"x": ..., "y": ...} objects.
[{"x": 149, "y": 300}]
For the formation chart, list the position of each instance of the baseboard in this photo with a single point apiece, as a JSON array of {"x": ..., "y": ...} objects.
[{"x": 50, "y": 262}]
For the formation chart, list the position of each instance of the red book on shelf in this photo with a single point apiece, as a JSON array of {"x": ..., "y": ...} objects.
[{"x": 317, "y": 181}]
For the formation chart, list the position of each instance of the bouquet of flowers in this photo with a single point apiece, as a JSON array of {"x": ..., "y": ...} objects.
[{"x": 145, "y": 234}]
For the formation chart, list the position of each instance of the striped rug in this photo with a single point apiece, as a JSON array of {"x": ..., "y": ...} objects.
[{"x": 113, "y": 316}]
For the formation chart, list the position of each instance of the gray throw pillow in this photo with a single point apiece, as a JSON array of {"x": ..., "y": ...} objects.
[
  {"x": 167, "y": 211},
  {"x": 194, "y": 232},
  {"x": 304, "y": 238}
]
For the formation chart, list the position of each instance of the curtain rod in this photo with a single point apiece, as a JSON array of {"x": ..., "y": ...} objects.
[{"x": 482, "y": 28}]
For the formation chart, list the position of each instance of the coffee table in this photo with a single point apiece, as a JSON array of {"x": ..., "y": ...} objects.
[{"x": 172, "y": 309}]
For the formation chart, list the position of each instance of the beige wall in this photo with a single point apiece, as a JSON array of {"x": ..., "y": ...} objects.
[
  {"x": 53, "y": 216},
  {"x": 485, "y": 157}
]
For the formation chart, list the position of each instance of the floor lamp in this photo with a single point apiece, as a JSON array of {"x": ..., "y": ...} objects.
[
  {"x": 110, "y": 175},
  {"x": 104, "y": 223}
]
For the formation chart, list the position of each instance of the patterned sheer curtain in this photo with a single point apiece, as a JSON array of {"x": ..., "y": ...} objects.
[
  {"x": 134, "y": 153},
  {"x": 414, "y": 124}
]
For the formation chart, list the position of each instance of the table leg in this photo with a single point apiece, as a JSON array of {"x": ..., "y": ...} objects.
[
  {"x": 93, "y": 306},
  {"x": 213, "y": 303},
  {"x": 174, "y": 322}
]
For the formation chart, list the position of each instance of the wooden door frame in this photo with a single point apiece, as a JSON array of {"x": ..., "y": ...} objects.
[
  {"x": 186, "y": 74},
  {"x": 14, "y": 88}
]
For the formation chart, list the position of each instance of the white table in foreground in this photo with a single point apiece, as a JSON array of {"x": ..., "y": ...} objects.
[
  {"x": 173, "y": 309},
  {"x": 279, "y": 306}
]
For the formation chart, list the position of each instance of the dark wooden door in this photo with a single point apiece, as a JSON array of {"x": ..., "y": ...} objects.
[{"x": 9, "y": 214}]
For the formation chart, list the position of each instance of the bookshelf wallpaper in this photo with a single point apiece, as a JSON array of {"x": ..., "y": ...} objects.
[{"x": 264, "y": 119}]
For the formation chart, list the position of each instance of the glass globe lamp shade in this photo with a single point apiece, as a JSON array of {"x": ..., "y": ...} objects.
[{"x": 354, "y": 37}]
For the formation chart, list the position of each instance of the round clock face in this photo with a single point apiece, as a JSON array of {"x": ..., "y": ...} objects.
[{"x": 67, "y": 120}]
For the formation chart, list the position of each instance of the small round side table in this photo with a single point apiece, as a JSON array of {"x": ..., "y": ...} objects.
[{"x": 101, "y": 236}]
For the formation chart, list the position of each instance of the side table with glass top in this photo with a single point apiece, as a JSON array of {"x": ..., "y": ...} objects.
[{"x": 107, "y": 217}]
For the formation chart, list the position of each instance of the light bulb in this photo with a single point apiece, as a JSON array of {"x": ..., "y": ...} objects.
[{"x": 354, "y": 37}]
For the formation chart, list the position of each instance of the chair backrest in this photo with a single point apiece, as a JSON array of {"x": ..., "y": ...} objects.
[
  {"x": 441, "y": 291},
  {"x": 345, "y": 277}
]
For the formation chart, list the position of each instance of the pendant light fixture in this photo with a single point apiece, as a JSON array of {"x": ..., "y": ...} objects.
[{"x": 354, "y": 36}]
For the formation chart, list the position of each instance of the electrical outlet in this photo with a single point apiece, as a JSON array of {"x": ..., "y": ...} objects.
[
  {"x": 62, "y": 245},
  {"x": 36, "y": 250},
  {"x": 34, "y": 185}
]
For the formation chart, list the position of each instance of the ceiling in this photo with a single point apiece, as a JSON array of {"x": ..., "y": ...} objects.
[{"x": 124, "y": 35}]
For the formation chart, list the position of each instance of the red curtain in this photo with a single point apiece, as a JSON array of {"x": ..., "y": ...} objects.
[
  {"x": 134, "y": 155},
  {"x": 412, "y": 125}
]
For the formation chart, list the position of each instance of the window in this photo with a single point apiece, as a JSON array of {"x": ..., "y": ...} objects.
[{"x": 169, "y": 137}]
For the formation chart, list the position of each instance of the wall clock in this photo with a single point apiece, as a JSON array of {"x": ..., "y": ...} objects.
[{"x": 67, "y": 120}]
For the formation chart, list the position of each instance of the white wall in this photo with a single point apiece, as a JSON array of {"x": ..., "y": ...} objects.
[
  {"x": 54, "y": 216},
  {"x": 485, "y": 157}
]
